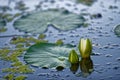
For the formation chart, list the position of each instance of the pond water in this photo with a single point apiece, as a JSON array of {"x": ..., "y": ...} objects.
[{"x": 106, "y": 45}]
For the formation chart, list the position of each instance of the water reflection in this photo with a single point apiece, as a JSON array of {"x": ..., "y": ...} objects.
[
  {"x": 85, "y": 65},
  {"x": 74, "y": 68}
]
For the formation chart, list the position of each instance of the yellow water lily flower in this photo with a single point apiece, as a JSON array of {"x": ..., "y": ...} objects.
[
  {"x": 85, "y": 47},
  {"x": 73, "y": 57}
]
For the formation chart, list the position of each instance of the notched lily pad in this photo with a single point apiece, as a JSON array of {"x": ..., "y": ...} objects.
[
  {"x": 37, "y": 22},
  {"x": 117, "y": 30},
  {"x": 48, "y": 55}
]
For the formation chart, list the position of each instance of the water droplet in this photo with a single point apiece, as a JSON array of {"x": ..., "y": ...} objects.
[
  {"x": 109, "y": 63},
  {"x": 108, "y": 55},
  {"x": 118, "y": 59}
]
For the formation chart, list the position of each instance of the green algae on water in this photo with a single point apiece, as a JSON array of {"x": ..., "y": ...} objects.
[
  {"x": 21, "y": 77},
  {"x": 59, "y": 42},
  {"x": 9, "y": 77},
  {"x": 13, "y": 77},
  {"x": 41, "y": 36},
  {"x": 19, "y": 69},
  {"x": 3, "y": 29}
]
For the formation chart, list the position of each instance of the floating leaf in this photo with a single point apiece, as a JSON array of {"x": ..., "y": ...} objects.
[
  {"x": 48, "y": 55},
  {"x": 37, "y": 22},
  {"x": 117, "y": 30}
]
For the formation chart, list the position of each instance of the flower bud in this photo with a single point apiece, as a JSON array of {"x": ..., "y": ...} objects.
[
  {"x": 85, "y": 48},
  {"x": 73, "y": 57}
]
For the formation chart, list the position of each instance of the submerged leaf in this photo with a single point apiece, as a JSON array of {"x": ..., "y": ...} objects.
[
  {"x": 37, "y": 22},
  {"x": 48, "y": 55},
  {"x": 117, "y": 30}
]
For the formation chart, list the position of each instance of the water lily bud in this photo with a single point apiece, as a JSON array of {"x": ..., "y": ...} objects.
[
  {"x": 85, "y": 48},
  {"x": 73, "y": 57}
]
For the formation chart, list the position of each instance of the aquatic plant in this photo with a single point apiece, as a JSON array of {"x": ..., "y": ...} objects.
[
  {"x": 59, "y": 42},
  {"x": 18, "y": 69},
  {"x": 37, "y": 22},
  {"x": 73, "y": 57},
  {"x": 85, "y": 47},
  {"x": 3, "y": 29},
  {"x": 4, "y": 52},
  {"x": 41, "y": 36},
  {"x": 9, "y": 76},
  {"x": 48, "y": 55},
  {"x": 21, "y": 77}
]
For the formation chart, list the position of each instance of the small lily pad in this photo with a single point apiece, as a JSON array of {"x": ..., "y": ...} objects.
[
  {"x": 48, "y": 55},
  {"x": 117, "y": 30},
  {"x": 37, "y": 22}
]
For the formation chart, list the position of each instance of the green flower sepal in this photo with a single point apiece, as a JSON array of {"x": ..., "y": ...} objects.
[{"x": 73, "y": 57}]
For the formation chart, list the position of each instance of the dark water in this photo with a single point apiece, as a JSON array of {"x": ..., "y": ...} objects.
[{"x": 105, "y": 43}]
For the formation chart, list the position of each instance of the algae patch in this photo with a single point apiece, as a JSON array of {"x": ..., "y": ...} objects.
[{"x": 14, "y": 54}]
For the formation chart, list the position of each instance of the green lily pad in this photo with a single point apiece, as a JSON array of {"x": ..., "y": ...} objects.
[
  {"x": 117, "y": 30},
  {"x": 37, "y": 22},
  {"x": 48, "y": 55}
]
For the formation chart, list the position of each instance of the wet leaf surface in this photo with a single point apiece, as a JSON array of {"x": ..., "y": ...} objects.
[
  {"x": 48, "y": 55},
  {"x": 37, "y": 22}
]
